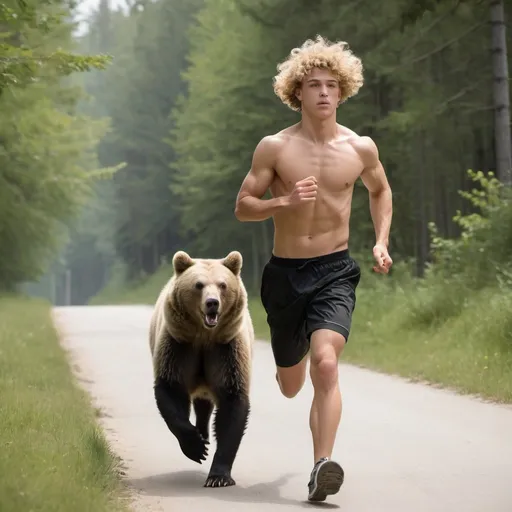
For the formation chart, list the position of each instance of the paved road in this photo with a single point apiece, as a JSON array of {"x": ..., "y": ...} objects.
[{"x": 404, "y": 447}]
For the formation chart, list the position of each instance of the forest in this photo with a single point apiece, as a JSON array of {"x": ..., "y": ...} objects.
[
  {"x": 126, "y": 138},
  {"x": 129, "y": 142}
]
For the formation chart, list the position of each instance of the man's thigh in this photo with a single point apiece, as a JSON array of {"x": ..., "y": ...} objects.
[
  {"x": 285, "y": 307},
  {"x": 290, "y": 347},
  {"x": 289, "y": 344},
  {"x": 332, "y": 309}
]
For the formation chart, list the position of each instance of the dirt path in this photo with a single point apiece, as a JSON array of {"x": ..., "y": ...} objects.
[{"x": 404, "y": 447}]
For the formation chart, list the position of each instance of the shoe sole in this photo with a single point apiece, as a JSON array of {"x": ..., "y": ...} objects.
[{"x": 328, "y": 481}]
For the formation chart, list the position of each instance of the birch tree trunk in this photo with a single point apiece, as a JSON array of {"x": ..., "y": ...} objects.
[{"x": 501, "y": 94}]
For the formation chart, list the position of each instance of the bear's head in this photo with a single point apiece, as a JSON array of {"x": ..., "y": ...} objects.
[{"x": 207, "y": 289}]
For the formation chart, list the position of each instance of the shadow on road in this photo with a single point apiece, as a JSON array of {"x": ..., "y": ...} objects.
[{"x": 190, "y": 483}]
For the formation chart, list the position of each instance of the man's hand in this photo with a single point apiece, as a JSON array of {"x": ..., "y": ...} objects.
[
  {"x": 382, "y": 258},
  {"x": 303, "y": 192}
]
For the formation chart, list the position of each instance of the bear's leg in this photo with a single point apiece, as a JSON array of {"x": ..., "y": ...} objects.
[
  {"x": 230, "y": 424},
  {"x": 227, "y": 374},
  {"x": 203, "y": 409},
  {"x": 173, "y": 402}
]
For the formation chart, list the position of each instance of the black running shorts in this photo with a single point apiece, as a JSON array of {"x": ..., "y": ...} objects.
[{"x": 301, "y": 295}]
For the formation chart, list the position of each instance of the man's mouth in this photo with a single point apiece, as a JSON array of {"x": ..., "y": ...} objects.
[{"x": 211, "y": 319}]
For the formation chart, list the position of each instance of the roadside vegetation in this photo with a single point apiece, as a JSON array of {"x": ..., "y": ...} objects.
[{"x": 54, "y": 454}]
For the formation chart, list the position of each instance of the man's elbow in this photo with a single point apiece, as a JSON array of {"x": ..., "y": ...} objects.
[
  {"x": 238, "y": 214},
  {"x": 382, "y": 192},
  {"x": 239, "y": 211}
]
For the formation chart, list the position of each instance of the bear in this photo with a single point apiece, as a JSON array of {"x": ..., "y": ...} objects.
[{"x": 201, "y": 341}]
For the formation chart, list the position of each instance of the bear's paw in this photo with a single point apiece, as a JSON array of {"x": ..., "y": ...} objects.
[
  {"x": 219, "y": 481},
  {"x": 193, "y": 445}
]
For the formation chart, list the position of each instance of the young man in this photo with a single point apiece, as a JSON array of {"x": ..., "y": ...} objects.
[{"x": 308, "y": 285}]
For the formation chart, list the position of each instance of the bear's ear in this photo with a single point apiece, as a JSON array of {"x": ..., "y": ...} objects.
[
  {"x": 233, "y": 261},
  {"x": 181, "y": 261}
]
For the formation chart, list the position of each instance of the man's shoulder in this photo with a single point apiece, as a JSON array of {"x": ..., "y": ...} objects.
[
  {"x": 273, "y": 143},
  {"x": 365, "y": 147}
]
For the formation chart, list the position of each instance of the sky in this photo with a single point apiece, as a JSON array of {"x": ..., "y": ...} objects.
[{"x": 86, "y": 6}]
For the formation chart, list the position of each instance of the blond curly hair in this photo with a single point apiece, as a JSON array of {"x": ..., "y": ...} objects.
[{"x": 318, "y": 53}]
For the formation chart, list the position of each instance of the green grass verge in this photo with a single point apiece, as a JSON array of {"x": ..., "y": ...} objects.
[
  {"x": 442, "y": 334},
  {"x": 54, "y": 456}
]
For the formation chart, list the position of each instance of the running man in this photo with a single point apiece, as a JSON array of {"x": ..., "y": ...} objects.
[{"x": 308, "y": 285}]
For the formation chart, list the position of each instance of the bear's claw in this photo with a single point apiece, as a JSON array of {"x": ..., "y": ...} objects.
[
  {"x": 193, "y": 445},
  {"x": 219, "y": 481}
]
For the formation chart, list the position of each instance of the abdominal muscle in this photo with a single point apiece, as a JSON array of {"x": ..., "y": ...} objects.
[{"x": 313, "y": 229}]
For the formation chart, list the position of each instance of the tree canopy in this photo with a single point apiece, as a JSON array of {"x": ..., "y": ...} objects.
[{"x": 189, "y": 95}]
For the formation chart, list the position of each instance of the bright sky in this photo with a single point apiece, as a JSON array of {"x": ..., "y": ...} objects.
[{"x": 86, "y": 6}]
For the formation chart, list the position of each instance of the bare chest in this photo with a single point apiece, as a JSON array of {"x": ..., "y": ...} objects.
[{"x": 336, "y": 167}]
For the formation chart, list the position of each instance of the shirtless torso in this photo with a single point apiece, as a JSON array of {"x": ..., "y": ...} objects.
[{"x": 319, "y": 224}]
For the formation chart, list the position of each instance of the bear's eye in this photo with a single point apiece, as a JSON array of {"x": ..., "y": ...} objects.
[
  {"x": 199, "y": 285},
  {"x": 223, "y": 286}
]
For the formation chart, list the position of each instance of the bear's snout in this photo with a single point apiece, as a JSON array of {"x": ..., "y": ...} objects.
[{"x": 212, "y": 305}]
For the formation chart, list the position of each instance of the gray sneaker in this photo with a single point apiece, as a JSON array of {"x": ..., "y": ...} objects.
[{"x": 326, "y": 478}]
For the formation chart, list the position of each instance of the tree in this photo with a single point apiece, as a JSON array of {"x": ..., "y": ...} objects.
[
  {"x": 47, "y": 158},
  {"x": 25, "y": 22},
  {"x": 501, "y": 93},
  {"x": 415, "y": 9}
]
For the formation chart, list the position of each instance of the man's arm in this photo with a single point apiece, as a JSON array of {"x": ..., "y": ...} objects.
[
  {"x": 249, "y": 205},
  {"x": 375, "y": 180}
]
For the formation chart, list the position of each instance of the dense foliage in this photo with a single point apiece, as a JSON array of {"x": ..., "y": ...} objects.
[
  {"x": 47, "y": 155},
  {"x": 189, "y": 95}
]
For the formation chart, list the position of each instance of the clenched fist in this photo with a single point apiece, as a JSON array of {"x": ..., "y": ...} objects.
[
  {"x": 304, "y": 191},
  {"x": 382, "y": 258}
]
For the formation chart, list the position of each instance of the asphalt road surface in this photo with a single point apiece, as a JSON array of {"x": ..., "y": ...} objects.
[{"x": 404, "y": 447}]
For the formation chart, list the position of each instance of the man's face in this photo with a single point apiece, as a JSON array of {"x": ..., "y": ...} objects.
[{"x": 319, "y": 93}]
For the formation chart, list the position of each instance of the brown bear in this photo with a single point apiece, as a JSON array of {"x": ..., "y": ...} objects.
[{"x": 201, "y": 337}]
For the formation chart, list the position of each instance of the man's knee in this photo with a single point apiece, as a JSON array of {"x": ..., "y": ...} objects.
[
  {"x": 291, "y": 380},
  {"x": 325, "y": 349},
  {"x": 289, "y": 389},
  {"x": 324, "y": 373},
  {"x": 326, "y": 343}
]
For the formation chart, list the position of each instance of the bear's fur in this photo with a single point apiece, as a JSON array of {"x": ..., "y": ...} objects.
[{"x": 201, "y": 337}]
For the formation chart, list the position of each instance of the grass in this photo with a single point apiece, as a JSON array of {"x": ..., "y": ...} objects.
[
  {"x": 54, "y": 457},
  {"x": 443, "y": 334}
]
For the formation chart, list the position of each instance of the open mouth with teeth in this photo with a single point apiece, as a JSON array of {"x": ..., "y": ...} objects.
[{"x": 211, "y": 319}]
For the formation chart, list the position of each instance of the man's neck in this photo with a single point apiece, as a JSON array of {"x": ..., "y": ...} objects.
[{"x": 319, "y": 131}]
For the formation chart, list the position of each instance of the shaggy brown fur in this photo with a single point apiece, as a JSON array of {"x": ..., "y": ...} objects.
[{"x": 201, "y": 337}]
